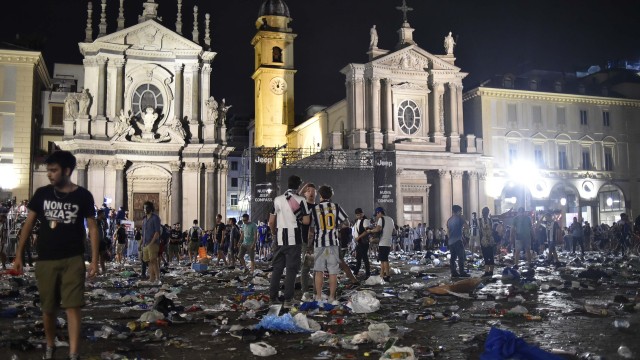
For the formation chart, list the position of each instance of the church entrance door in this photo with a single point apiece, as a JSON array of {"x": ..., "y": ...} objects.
[{"x": 138, "y": 201}]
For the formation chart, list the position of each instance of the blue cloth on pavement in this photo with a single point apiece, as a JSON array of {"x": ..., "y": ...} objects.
[{"x": 503, "y": 344}]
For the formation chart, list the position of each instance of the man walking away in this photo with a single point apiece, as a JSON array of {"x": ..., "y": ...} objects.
[
  {"x": 61, "y": 208},
  {"x": 521, "y": 233},
  {"x": 195, "y": 232},
  {"x": 455, "y": 226},
  {"x": 249, "y": 236}
]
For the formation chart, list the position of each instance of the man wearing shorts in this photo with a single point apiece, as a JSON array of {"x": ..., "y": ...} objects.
[
  {"x": 195, "y": 232},
  {"x": 175, "y": 241},
  {"x": 121, "y": 243},
  {"x": 249, "y": 236},
  {"x": 522, "y": 233},
  {"x": 384, "y": 226},
  {"x": 326, "y": 218},
  {"x": 220, "y": 229},
  {"x": 61, "y": 208},
  {"x": 151, "y": 230}
]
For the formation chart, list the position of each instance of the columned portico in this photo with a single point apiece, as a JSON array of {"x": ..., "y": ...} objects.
[
  {"x": 81, "y": 172},
  {"x": 209, "y": 214},
  {"x": 473, "y": 192},
  {"x": 458, "y": 194}
]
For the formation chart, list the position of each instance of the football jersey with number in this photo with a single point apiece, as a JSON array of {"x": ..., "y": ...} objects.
[{"x": 326, "y": 216}]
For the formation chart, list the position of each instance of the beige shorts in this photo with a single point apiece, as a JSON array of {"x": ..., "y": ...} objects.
[
  {"x": 120, "y": 248},
  {"x": 61, "y": 283},
  {"x": 247, "y": 249},
  {"x": 327, "y": 259},
  {"x": 150, "y": 252}
]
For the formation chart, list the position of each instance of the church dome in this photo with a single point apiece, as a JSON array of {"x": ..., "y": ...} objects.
[{"x": 274, "y": 8}]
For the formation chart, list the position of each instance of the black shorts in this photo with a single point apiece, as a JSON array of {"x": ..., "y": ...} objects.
[
  {"x": 383, "y": 253},
  {"x": 488, "y": 253}
]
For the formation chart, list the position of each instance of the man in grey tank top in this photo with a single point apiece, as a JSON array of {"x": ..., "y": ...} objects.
[{"x": 455, "y": 226}]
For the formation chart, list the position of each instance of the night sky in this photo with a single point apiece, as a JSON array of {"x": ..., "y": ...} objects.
[{"x": 493, "y": 36}]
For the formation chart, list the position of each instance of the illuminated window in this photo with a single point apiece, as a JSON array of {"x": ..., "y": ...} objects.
[
  {"x": 409, "y": 118},
  {"x": 234, "y": 199},
  {"x": 145, "y": 96}
]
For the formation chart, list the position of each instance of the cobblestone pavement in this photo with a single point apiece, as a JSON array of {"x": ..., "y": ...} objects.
[{"x": 572, "y": 315}]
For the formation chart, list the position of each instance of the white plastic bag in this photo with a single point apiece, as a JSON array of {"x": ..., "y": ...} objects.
[
  {"x": 374, "y": 280},
  {"x": 396, "y": 352},
  {"x": 378, "y": 333},
  {"x": 262, "y": 349},
  {"x": 364, "y": 302}
]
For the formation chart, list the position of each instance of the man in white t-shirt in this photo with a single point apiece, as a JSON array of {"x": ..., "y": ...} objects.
[{"x": 384, "y": 226}]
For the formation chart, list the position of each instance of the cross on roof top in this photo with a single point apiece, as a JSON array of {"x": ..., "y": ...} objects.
[{"x": 404, "y": 8}]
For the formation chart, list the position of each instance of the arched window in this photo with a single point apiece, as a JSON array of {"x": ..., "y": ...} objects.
[
  {"x": 558, "y": 86},
  {"x": 533, "y": 84},
  {"x": 507, "y": 83},
  {"x": 147, "y": 95},
  {"x": 409, "y": 117},
  {"x": 276, "y": 54}
]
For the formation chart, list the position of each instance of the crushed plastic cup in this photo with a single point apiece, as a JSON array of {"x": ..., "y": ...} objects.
[
  {"x": 396, "y": 352},
  {"x": 621, "y": 324},
  {"x": 262, "y": 349},
  {"x": 625, "y": 352}
]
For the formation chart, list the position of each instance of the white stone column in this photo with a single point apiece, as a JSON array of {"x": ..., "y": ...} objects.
[
  {"x": 355, "y": 92},
  {"x": 205, "y": 81},
  {"x": 210, "y": 206},
  {"x": 388, "y": 132},
  {"x": 99, "y": 126},
  {"x": 483, "y": 199},
  {"x": 119, "y": 93},
  {"x": 373, "y": 110},
  {"x": 458, "y": 195},
  {"x": 179, "y": 98},
  {"x": 473, "y": 193},
  {"x": 445, "y": 197},
  {"x": 459, "y": 113},
  {"x": 454, "y": 135},
  {"x": 192, "y": 101},
  {"x": 176, "y": 192},
  {"x": 436, "y": 116},
  {"x": 223, "y": 170},
  {"x": 81, "y": 172},
  {"x": 119, "y": 191}
]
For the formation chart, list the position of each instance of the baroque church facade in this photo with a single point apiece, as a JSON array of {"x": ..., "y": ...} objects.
[
  {"x": 407, "y": 101},
  {"x": 145, "y": 127}
]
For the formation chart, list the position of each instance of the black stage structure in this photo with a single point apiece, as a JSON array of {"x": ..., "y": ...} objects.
[{"x": 360, "y": 178}]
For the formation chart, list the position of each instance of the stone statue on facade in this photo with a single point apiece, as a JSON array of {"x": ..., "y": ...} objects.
[
  {"x": 71, "y": 106},
  {"x": 149, "y": 118},
  {"x": 222, "y": 119},
  {"x": 373, "y": 43},
  {"x": 84, "y": 100},
  {"x": 172, "y": 131},
  {"x": 212, "y": 109},
  {"x": 122, "y": 124},
  {"x": 449, "y": 43}
]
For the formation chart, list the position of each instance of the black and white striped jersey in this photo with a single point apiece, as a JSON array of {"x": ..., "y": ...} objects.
[{"x": 326, "y": 216}]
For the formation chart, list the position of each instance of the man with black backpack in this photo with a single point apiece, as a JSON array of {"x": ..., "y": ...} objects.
[
  {"x": 233, "y": 233},
  {"x": 194, "y": 241}
]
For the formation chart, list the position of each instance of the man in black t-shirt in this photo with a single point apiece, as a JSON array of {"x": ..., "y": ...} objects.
[
  {"x": 61, "y": 208},
  {"x": 175, "y": 241},
  {"x": 221, "y": 230},
  {"x": 121, "y": 243}
]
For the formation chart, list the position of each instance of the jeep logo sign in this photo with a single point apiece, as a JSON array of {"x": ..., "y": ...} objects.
[
  {"x": 384, "y": 163},
  {"x": 263, "y": 160}
]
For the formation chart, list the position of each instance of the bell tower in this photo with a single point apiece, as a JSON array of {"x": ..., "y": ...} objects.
[{"x": 274, "y": 74}]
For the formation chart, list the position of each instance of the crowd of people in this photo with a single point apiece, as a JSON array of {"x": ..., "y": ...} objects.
[{"x": 307, "y": 234}]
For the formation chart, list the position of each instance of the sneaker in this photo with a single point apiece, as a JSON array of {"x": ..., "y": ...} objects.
[
  {"x": 74, "y": 357},
  {"x": 49, "y": 352},
  {"x": 464, "y": 275},
  {"x": 334, "y": 302},
  {"x": 387, "y": 278},
  {"x": 455, "y": 275}
]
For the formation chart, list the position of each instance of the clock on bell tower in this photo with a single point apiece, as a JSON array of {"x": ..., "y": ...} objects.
[{"x": 274, "y": 74}]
